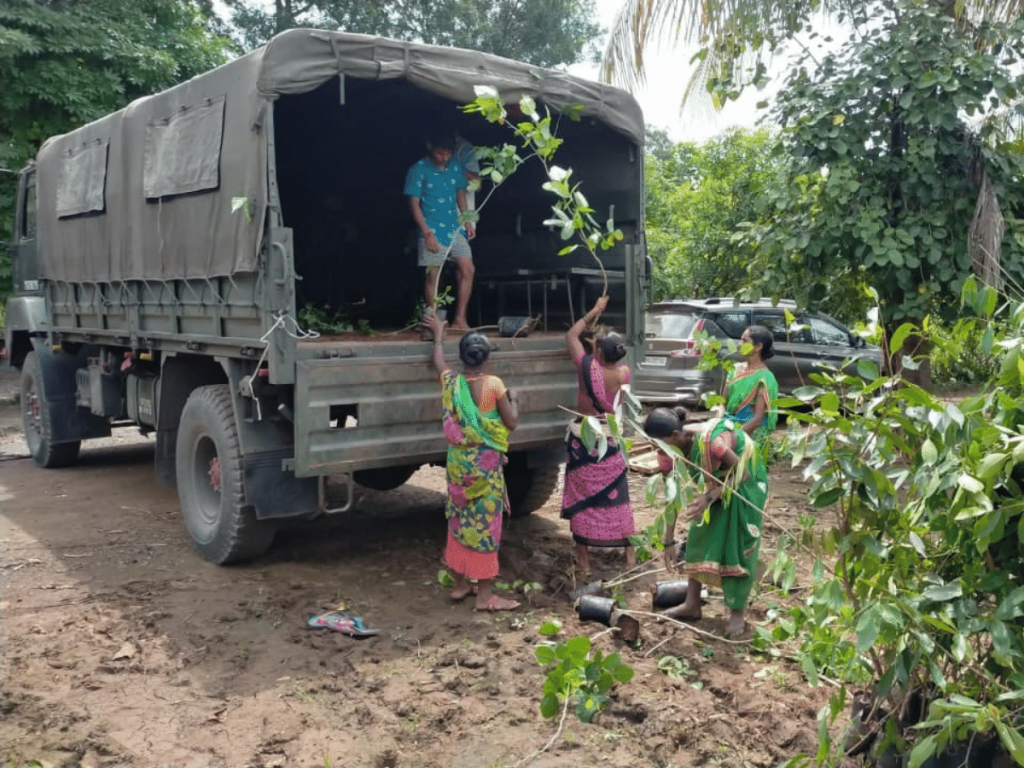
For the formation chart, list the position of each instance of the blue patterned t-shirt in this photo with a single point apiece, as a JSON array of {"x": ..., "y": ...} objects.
[{"x": 436, "y": 190}]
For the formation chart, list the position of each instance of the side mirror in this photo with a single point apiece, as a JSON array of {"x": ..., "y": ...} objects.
[{"x": 858, "y": 341}]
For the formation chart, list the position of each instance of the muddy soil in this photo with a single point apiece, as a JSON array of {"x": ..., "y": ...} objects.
[{"x": 120, "y": 646}]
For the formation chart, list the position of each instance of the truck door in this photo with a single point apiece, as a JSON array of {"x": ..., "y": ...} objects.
[{"x": 23, "y": 248}]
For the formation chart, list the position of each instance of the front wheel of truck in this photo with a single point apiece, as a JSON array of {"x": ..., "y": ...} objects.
[
  {"x": 529, "y": 488},
  {"x": 210, "y": 477},
  {"x": 37, "y": 420}
]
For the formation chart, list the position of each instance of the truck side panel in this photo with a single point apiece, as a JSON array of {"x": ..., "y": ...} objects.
[{"x": 369, "y": 411}]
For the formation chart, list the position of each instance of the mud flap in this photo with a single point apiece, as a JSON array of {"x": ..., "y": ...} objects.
[
  {"x": 275, "y": 492},
  {"x": 69, "y": 422}
]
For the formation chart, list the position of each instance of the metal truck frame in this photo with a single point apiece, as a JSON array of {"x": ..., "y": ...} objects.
[{"x": 162, "y": 255}]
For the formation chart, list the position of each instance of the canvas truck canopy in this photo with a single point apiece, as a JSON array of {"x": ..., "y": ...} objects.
[{"x": 147, "y": 192}]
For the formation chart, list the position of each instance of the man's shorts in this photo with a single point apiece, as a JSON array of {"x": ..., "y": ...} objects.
[{"x": 460, "y": 250}]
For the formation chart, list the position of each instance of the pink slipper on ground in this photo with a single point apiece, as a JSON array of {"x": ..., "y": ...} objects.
[{"x": 495, "y": 604}]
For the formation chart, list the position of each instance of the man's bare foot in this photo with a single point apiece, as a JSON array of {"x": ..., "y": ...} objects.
[
  {"x": 684, "y": 613},
  {"x": 460, "y": 325},
  {"x": 495, "y": 603}
]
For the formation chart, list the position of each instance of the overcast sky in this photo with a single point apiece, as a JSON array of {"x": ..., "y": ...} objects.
[{"x": 667, "y": 73}]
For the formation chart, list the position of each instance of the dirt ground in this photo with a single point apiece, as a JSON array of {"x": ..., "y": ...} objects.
[{"x": 120, "y": 646}]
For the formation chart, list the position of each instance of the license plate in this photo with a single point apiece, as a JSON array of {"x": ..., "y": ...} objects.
[{"x": 655, "y": 361}]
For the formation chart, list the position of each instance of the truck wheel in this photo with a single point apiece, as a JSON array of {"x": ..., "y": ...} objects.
[
  {"x": 36, "y": 420},
  {"x": 208, "y": 466},
  {"x": 384, "y": 478},
  {"x": 528, "y": 488}
]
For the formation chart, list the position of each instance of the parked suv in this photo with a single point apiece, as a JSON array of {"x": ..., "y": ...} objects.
[{"x": 669, "y": 373}]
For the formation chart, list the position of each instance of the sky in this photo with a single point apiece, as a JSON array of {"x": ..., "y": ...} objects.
[{"x": 667, "y": 73}]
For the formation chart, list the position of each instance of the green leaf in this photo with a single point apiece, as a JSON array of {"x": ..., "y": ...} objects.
[
  {"x": 567, "y": 250},
  {"x": 445, "y": 579},
  {"x": 828, "y": 498},
  {"x": 929, "y": 453},
  {"x": 549, "y": 628},
  {"x": 970, "y": 484},
  {"x": 549, "y": 706},
  {"x": 924, "y": 749},
  {"x": 944, "y": 592},
  {"x": 623, "y": 673},
  {"x": 1012, "y": 740},
  {"x": 544, "y": 654},
  {"x": 867, "y": 628},
  {"x": 807, "y": 665},
  {"x": 578, "y": 647}
]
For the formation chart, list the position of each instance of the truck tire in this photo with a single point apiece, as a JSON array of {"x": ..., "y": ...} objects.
[
  {"x": 528, "y": 488},
  {"x": 210, "y": 478},
  {"x": 36, "y": 420},
  {"x": 385, "y": 478}
]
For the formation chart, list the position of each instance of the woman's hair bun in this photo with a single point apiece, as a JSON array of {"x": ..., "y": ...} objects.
[{"x": 474, "y": 348}]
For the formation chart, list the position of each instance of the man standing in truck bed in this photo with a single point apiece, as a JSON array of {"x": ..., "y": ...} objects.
[{"x": 436, "y": 187}]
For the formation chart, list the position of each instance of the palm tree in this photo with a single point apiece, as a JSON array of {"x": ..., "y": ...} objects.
[{"x": 735, "y": 38}]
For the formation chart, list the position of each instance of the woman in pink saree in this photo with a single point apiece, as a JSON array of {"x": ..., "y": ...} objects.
[{"x": 595, "y": 495}]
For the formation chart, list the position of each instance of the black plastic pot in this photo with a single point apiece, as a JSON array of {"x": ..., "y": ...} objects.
[
  {"x": 593, "y": 588},
  {"x": 596, "y": 608},
  {"x": 668, "y": 594}
]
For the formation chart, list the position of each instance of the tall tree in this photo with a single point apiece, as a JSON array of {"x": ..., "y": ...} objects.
[
  {"x": 548, "y": 33},
  {"x": 66, "y": 62},
  {"x": 897, "y": 170},
  {"x": 698, "y": 198}
]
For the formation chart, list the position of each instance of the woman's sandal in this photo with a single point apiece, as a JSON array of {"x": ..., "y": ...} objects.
[
  {"x": 495, "y": 604},
  {"x": 340, "y": 621}
]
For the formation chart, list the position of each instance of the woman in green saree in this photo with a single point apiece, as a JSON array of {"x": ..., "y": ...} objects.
[
  {"x": 478, "y": 414},
  {"x": 724, "y": 535},
  {"x": 751, "y": 388}
]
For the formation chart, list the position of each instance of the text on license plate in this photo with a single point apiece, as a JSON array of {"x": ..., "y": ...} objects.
[{"x": 655, "y": 361}]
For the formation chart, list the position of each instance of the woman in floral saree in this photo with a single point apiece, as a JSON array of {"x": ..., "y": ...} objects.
[
  {"x": 478, "y": 413},
  {"x": 751, "y": 388},
  {"x": 721, "y": 550}
]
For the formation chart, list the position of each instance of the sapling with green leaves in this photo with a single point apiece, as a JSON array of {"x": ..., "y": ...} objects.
[{"x": 916, "y": 584}]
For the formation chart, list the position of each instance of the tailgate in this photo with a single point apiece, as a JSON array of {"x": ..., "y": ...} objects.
[{"x": 395, "y": 405}]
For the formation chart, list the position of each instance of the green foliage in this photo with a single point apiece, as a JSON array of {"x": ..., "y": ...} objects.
[
  {"x": 65, "y": 64},
  {"x": 679, "y": 669},
  {"x": 324, "y": 319},
  {"x": 961, "y": 353},
  {"x": 916, "y": 585},
  {"x": 697, "y": 197},
  {"x": 577, "y": 674},
  {"x": 547, "y": 33},
  {"x": 883, "y": 168},
  {"x": 572, "y": 214}
]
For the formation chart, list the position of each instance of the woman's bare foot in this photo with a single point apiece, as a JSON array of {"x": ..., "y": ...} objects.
[
  {"x": 685, "y": 612},
  {"x": 737, "y": 625},
  {"x": 630, "y": 557},
  {"x": 495, "y": 603},
  {"x": 463, "y": 588}
]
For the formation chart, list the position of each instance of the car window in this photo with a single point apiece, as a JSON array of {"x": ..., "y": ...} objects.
[
  {"x": 670, "y": 325},
  {"x": 733, "y": 324},
  {"x": 827, "y": 333},
  {"x": 773, "y": 321}
]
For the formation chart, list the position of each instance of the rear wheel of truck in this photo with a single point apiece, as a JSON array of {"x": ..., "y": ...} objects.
[
  {"x": 36, "y": 420},
  {"x": 208, "y": 464},
  {"x": 529, "y": 488}
]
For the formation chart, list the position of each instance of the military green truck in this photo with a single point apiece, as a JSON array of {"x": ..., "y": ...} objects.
[{"x": 163, "y": 256}]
